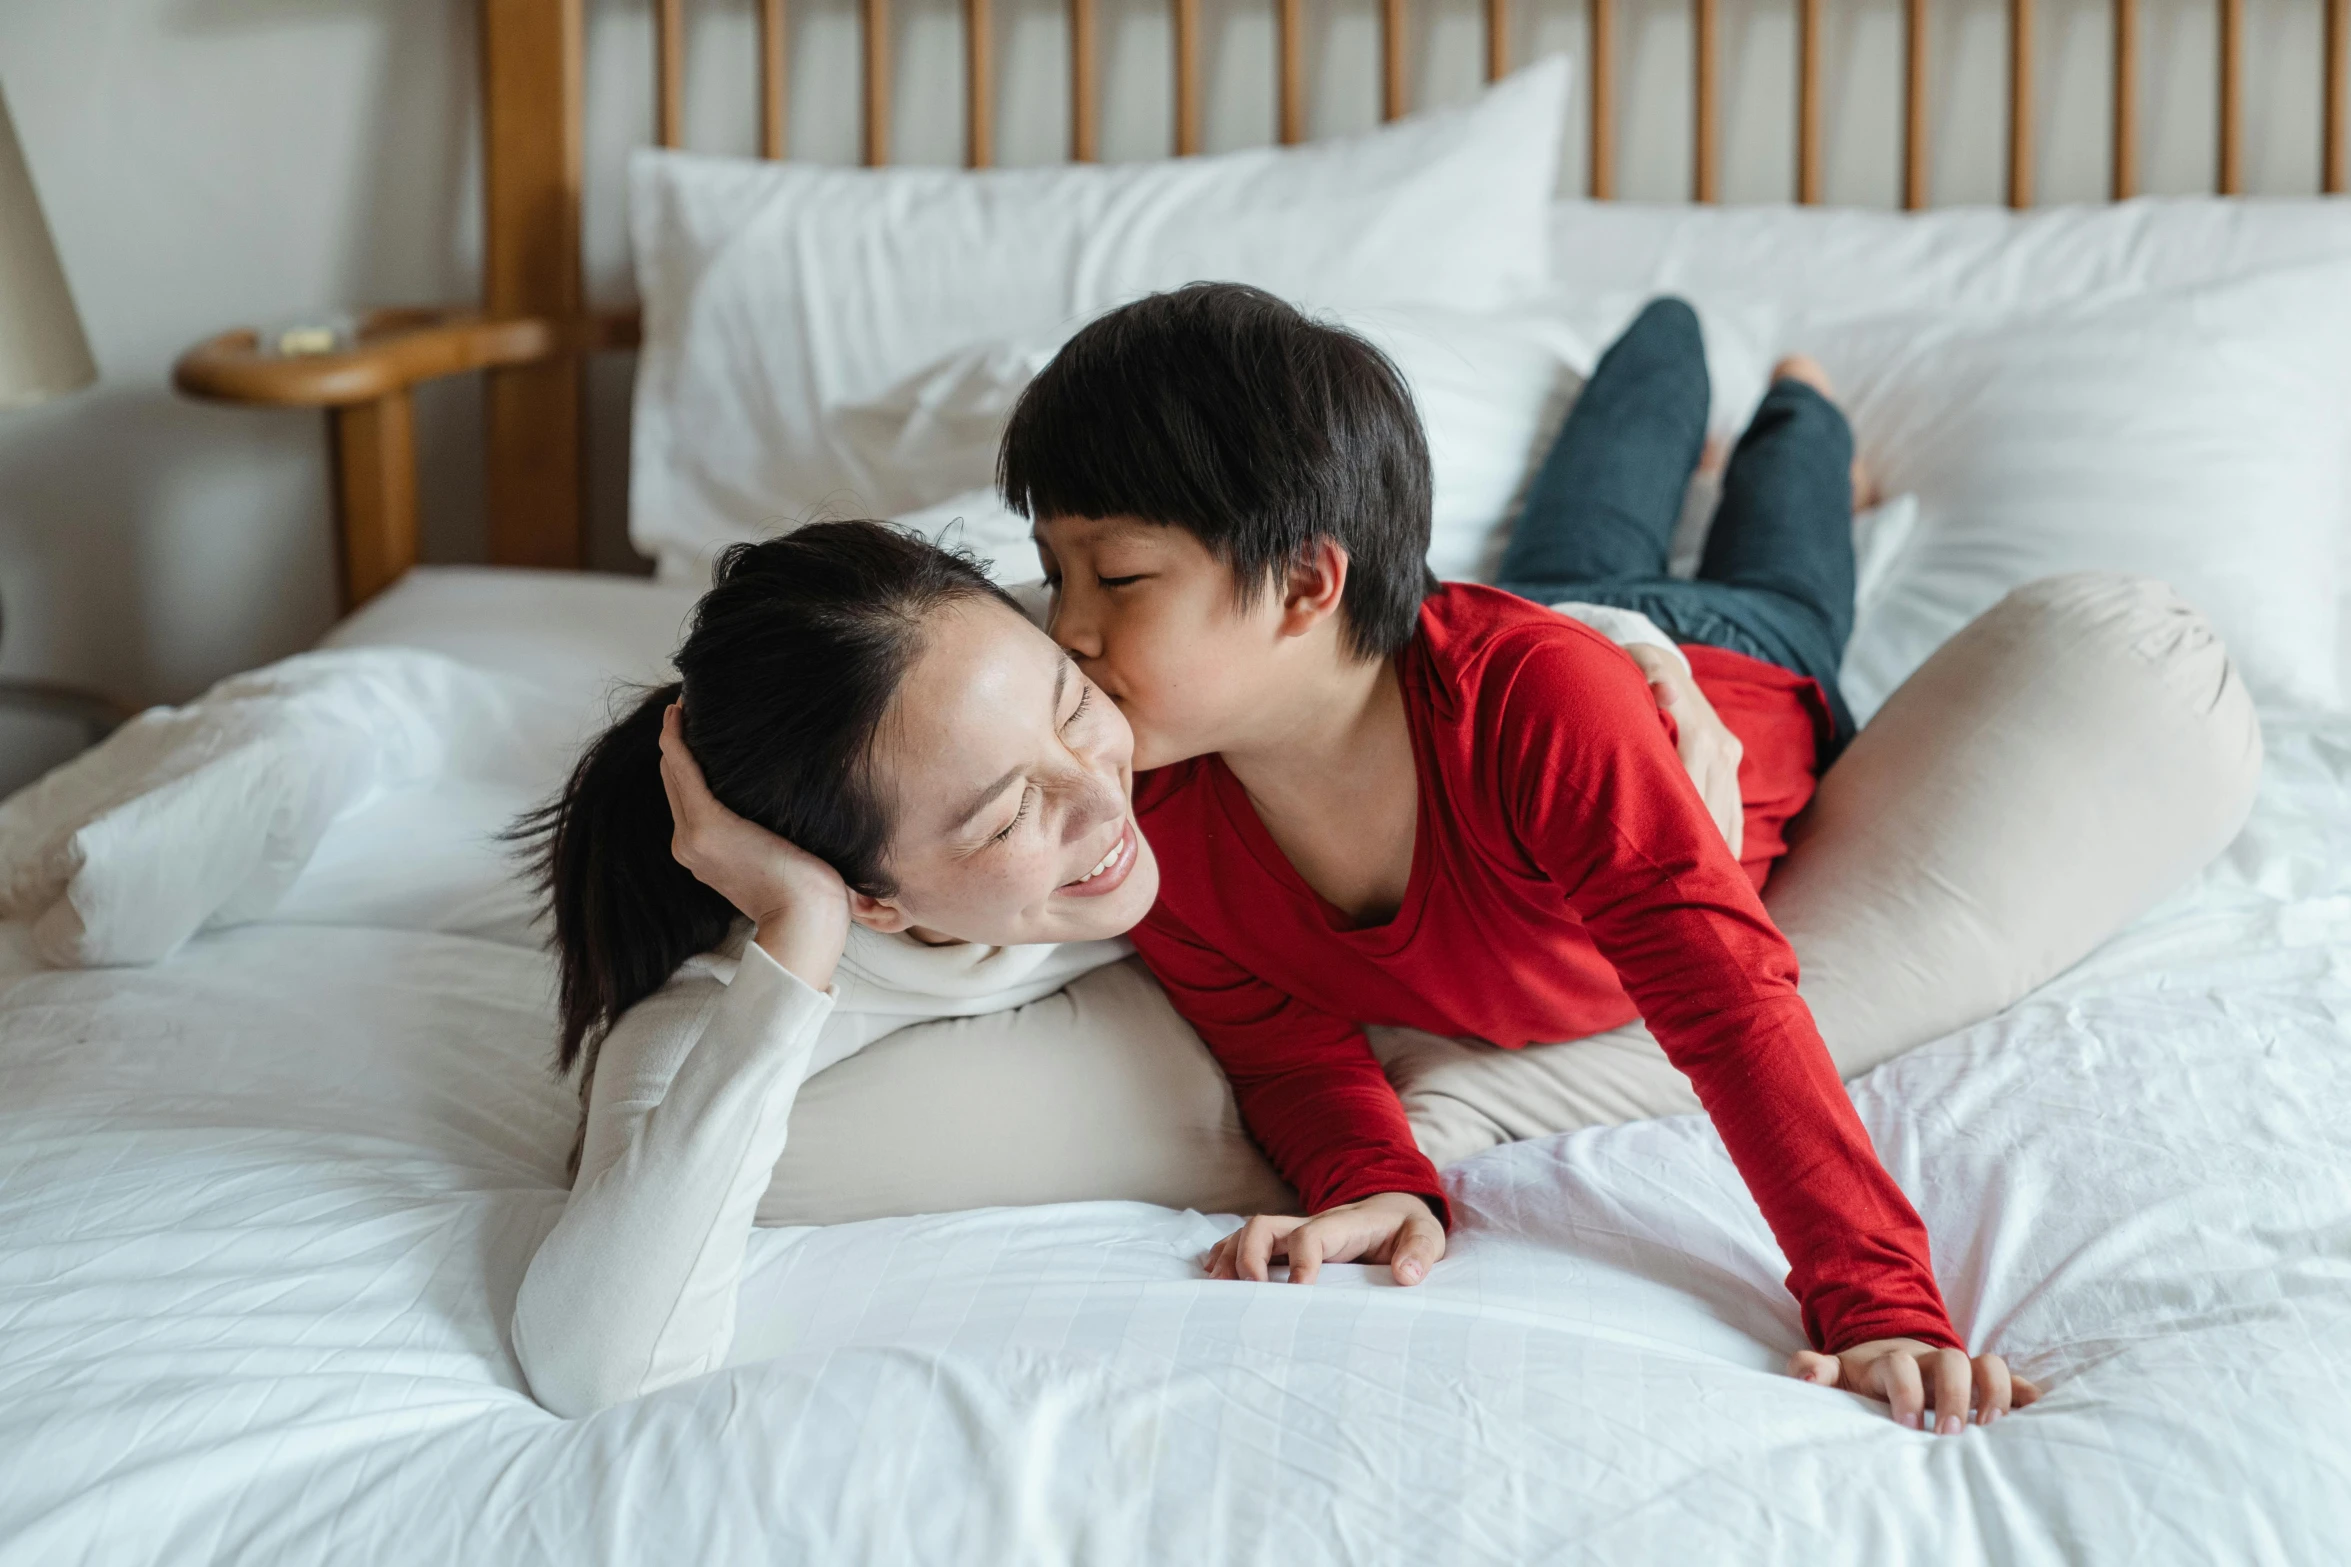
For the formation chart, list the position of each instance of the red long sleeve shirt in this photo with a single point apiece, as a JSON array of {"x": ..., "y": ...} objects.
[{"x": 1565, "y": 879}]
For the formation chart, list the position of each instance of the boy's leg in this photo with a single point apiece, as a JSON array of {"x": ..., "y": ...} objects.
[
  {"x": 1776, "y": 580},
  {"x": 1785, "y": 525},
  {"x": 1603, "y": 505},
  {"x": 1599, "y": 518}
]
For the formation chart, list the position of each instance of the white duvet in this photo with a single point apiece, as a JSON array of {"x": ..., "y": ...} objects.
[{"x": 264, "y": 1207}]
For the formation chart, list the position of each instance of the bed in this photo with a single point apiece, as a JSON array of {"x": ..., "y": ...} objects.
[
  {"x": 264, "y": 1205},
  {"x": 263, "y": 1240}
]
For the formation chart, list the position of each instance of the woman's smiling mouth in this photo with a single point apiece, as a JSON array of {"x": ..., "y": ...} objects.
[{"x": 1110, "y": 871}]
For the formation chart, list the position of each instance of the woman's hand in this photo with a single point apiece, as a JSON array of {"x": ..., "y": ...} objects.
[
  {"x": 1900, "y": 1370},
  {"x": 798, "y": 902},
  {"x": 1709, "y": 751},
  {"x": 1396, "y": 1228}
]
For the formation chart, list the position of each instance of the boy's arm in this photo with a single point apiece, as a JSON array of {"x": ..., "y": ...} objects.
[
  {"x": 1603, "y": 806},
  {"x": 1309, "y": 1089}
]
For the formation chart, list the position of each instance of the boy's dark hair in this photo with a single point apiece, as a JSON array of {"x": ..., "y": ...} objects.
[{"x": 1224, "y": 411}]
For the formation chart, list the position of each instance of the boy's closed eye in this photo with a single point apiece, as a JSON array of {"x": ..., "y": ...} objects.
[{"x": 1053, "y": 581}]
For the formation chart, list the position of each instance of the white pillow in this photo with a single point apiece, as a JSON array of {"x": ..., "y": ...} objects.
[
  {"x": 1491, "y": 390},
  {"x": 1491, "y": 387},
  {"x": 2199, "y": 436},
  {"x": 775, "y": 293},
  {"x": 978, "y": 520}
]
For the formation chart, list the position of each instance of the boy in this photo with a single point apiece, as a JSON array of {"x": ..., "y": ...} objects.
[{"x": 1382, "y": 800}]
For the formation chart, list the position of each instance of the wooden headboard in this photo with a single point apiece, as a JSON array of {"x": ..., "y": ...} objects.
[{"x": 532, "y": 330}]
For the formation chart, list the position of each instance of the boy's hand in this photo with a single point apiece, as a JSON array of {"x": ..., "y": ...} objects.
[
  {"x": 1396, "y": 1228},
  {"x": 1709, "y": 751},
  {"x": 1900, "y": 1371}
]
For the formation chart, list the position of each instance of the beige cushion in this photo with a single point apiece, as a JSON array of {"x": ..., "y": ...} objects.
[
  {"x": 1098, "y": 1091},
  {"x": 2074, "y": 754}
]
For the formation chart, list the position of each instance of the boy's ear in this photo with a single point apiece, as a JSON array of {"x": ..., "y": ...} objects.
[
  {"x": 878, "y": 914},
  {"x": 1314, "y": 586}
]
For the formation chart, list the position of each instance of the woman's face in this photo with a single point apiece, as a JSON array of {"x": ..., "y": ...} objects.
[{"x": 1008, "y": 776}]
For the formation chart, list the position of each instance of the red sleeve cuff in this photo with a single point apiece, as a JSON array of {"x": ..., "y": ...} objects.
[
  {"x": 1928, "y": 1327},
  {"x": 1399, "y": 1172}
]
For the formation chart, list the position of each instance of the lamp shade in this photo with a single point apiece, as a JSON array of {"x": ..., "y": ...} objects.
[{"x": 42, "y": 351}]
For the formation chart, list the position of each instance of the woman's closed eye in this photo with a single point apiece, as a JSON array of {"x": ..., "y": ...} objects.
[{"x": 1018, "y": 817}]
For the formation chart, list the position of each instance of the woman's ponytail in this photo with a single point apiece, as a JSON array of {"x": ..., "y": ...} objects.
[{"x": 626, "y": 913}]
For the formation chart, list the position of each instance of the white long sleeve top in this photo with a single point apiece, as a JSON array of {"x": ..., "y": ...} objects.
[{"x": 687, "y": 1105}]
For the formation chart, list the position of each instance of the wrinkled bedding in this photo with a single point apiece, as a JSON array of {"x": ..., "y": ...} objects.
[{"x": 264, "y": 1207}]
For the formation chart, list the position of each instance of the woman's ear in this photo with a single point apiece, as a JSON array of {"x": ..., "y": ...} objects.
[{"x": 878, "y": 914}]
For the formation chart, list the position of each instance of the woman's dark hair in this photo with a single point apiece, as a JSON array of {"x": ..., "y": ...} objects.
[
  {"x": 789, "y": 664},
  {"x": 1222, "y": 410}
]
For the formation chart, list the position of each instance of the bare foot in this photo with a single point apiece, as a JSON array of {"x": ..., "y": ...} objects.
[
  {"x": 1805, "y": 368},
  {"x": 1810, "y": 371},
  {"x": 1865, "y": 485}
]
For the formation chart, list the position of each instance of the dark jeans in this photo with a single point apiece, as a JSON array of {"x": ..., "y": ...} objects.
[{"x": 1776, "y": 580}]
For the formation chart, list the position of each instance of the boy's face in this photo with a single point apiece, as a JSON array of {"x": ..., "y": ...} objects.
[{"x": 1152, "y": 618}]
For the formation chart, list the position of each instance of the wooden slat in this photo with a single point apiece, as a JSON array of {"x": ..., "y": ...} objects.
[
  {"x": 876, "y": 30},
  {"x": 773, "y": 42},
  {"x": 1600, "y": 36},
  {"x": 1084, "y": 105},
  {"x": 531, "y": 162},
  {"x": 2020, "y": 103},
  {"x": 1704, "y": 177},
  {"x": 669, "y": 72},
  {"x": 375, "y": 494},
  {"x": 1391, "y": 59},
  {"x": 1290, "y": 70},
  {"x": 2333, "y": 172},
  {"x": 2125, "y": 181},
  {"x": 2231, "y": 171},
  {"x": 979, "y": 84},
  {"x": 1187, "y": 77},
  {"x": 1808, "y": 167},
  {"x": 1914, "y": 105},
  {"x": 1497, "y": 39}
]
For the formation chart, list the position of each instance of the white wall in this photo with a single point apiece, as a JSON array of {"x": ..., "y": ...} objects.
[{"x": 207, "y": 163}]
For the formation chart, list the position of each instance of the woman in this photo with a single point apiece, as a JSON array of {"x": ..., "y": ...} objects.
[
  {"x": 925, "y": 815},
  {"x": 961, "y": 793}
]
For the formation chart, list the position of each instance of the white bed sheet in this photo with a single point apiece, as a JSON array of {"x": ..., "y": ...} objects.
[
  {"x": 434, "y": 859},
  {"x": 264, "y": 1207},
  {"x": 578, "y": 634}
]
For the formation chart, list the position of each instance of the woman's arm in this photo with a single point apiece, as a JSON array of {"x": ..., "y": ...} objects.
[
  {"x": 1710, "y": 753},
  {"x": 635, "y": 1287}
]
